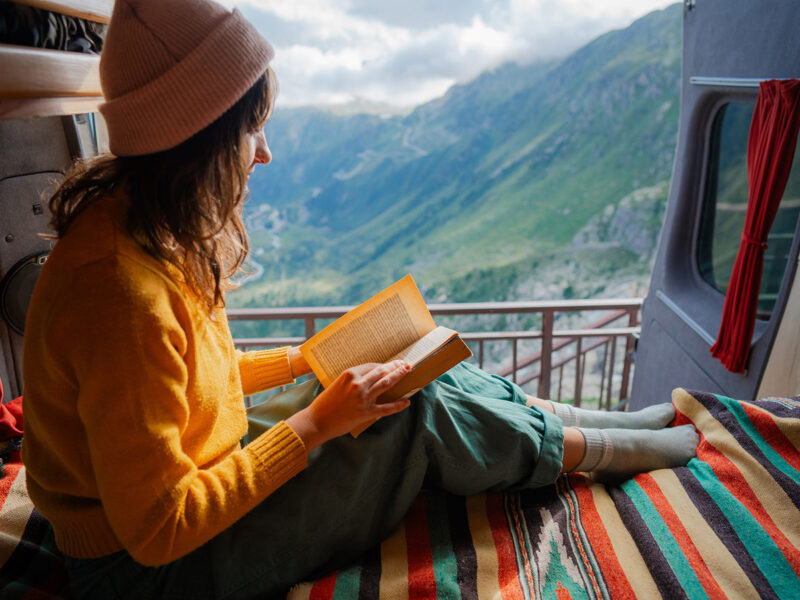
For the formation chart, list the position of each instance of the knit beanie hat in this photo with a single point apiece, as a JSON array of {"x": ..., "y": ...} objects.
[{"x": 169, "y": 68}]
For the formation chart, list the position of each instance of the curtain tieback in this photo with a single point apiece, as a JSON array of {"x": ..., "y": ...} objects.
[{"x": 753, "y": 241}]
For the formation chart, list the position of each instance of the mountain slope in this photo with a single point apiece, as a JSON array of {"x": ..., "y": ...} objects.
[{"x": 474, "y": 192}]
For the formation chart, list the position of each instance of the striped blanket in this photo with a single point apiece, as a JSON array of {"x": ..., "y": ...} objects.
[
  {"x": 727, "y": 525},
  {"x": 31, "y": 566}
]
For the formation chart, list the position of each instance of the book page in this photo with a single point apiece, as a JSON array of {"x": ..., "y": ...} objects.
[
  {"x": 424, "y": 346},
  {"x": 373, "y": 332}
]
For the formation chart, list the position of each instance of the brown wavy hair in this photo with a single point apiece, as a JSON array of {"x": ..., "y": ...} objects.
[{"x": 185, "y": 203}]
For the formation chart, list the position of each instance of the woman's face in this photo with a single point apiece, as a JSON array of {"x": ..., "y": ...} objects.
[{"x": 255, "y": 149}]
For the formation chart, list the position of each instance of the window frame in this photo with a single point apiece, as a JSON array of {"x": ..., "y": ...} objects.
[
  {"x": 703, "y": 240},
  {"x": 679, "y": 283}
]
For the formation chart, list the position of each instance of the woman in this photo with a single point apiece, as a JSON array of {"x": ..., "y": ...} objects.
[{"x": 133, "y": 390}]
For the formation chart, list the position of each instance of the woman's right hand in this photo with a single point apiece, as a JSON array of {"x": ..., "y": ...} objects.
[{"x": 351, "y": 400}]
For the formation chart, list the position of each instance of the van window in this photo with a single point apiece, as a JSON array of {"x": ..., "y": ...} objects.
[{"x": 725, "y": 207}]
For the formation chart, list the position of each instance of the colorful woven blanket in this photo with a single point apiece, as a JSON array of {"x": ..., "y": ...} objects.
[
  {"x": 30, "y": 565},
  {"x": 725, "y": 526}
]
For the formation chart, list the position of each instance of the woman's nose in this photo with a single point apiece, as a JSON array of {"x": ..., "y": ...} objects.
[{"x": 263, "y": 154}]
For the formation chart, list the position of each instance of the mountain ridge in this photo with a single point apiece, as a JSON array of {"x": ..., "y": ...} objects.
[{"x": 491, "y": 181}]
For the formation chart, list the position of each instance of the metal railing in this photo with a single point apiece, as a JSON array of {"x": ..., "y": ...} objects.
[{"x": 560, "y": 355}]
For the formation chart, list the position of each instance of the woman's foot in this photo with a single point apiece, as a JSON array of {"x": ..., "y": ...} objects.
[
  {"x": 652, "y": 417},
  {"x": 616, "y": 454}
]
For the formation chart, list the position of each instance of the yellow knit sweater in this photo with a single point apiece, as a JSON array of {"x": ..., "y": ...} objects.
[{"x": 133, "y": 403}]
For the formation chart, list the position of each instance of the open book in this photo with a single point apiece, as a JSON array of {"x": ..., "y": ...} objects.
[{"x": 394, "y": 324}]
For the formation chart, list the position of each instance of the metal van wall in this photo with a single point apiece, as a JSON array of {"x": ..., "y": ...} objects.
[{"x": 727, "y": 48}]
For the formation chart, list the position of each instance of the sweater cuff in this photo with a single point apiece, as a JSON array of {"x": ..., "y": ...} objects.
[
  {"x": 264, "y": 369},
  {"x": 279, "y": 452}
]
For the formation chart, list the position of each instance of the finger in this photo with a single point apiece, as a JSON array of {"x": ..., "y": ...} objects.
[
  {"x": 360, "y": 370},
  {"x": 390, "y": 408},
  {"x": 389, "y": 378},
  {"x": 355, "y": 375},
  {"x": 382, "y": 370}
]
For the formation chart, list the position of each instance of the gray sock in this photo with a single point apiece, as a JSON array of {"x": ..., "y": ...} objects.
[
  {"x": 652, "y": 417},
  {"x": 617, "y": 454}
]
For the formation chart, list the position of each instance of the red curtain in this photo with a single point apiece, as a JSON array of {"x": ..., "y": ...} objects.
[{"x": 770, "y": 151}]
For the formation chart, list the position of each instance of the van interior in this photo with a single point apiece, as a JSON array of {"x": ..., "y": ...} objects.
[{"x": 726, "y": 525}]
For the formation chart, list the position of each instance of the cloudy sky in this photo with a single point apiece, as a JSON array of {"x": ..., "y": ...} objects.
[{"x": 405, "y": 52}]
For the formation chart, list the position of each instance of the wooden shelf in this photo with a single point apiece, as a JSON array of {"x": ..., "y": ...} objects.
[
  {"x": 47, "y": 107},
  {"x": 36, "y": 73},
  {"x": 37, "y": 82},
  {"x": 92, "y": 10}
]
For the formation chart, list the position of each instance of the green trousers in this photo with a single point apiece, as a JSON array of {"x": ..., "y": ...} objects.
[{"x": 465, "y": 433}]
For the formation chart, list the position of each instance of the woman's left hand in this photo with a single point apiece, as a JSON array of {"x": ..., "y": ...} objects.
[{"x": 349, "y": 402}]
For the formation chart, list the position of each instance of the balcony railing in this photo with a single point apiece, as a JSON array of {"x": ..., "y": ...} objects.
[{"x": 556, "y": 360}]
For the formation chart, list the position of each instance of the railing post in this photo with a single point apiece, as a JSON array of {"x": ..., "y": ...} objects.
[
  {"x": 514, "y": 360},
  {"x": 547, "y": 349},
  {"x": 311, "y": 327},
  {"x": 560, "y": 381},
  {"x": 626, "y": 365},
  {"x": 611, "y": 372},
  {"x": 603, "y": 375},
  {"x": 578, "y": 374}
]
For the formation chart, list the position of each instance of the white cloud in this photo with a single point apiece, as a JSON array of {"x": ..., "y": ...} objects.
[
  {"x": 405, "y": 53},
  {"x": 622, "y": 10}
]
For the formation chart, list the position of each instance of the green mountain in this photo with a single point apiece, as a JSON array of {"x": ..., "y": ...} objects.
[{"x": 546, "y": 180}]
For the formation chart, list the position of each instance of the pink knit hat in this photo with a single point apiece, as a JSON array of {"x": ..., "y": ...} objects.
[{"x": 169, "y": 68}]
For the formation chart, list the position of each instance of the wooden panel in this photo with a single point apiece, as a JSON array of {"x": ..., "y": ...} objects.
[
  {"x": 38, "y": 73},
  {"x": 782, "y": 373},
  {"x": 47, "y": 107},
  {"x": 93, "y": 10}
]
